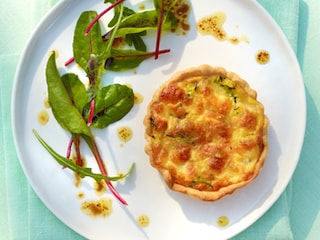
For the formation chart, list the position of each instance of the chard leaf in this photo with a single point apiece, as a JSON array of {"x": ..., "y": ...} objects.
[
  {"x": 126, "y": 12},
  {"x": 112, "y": 103},
  {"x": 112, "y": 35},
  {"x": 82, "y": 171},
  {"x": 76, "y": 90},
  {"x": 63, "y": 109},
  {"x": 143, "y": 21},
  {"x": 140, "y": 20},
  {"x": 125, "y": 59},
  {"x": 84, "y": 46},
  {"x": 136, "y": 41},
  {"x": 131, "y": 30}
]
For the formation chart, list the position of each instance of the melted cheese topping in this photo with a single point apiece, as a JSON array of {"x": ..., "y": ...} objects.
[{"x": 206, "y": 131}]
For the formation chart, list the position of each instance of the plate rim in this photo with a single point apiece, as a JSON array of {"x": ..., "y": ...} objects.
[{"x": 45, "y": 22}]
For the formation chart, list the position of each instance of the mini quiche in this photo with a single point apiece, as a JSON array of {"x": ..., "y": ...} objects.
[{"x": 206, "y": 132}]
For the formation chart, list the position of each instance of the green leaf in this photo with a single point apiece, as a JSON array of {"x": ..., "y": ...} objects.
[
  {"x": 82, "y": 171},
  {"x": 140, "y": 20},
  {"x": 125, "y": 59},
  {"x": 117, "y": 19},
  {"x": 112, "y": 103},
  {"x": 76, "y": 90},
  {"x": 86, "y": 45},
  {"x": 136, "y": 40},
  {"x": 63, "y": 109},
  {"x": 169, "y": 20},
  {"x": 126, "y": 12},
  {"x": 144, "y": 21}
]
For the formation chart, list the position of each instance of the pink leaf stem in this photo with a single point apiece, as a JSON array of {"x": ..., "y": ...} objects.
[
  {"x": 96, "y": 19},
  {"x": 103, "y": 171},
  {"x": 68, "y": 154},
  {"x": 159, "y": 30},
  {"x": 91, "y": 112},
  {"x": 144, "y": 54},
  {"x": 67, "y": 63}
]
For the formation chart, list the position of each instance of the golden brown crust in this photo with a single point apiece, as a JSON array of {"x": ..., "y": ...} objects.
[{"x": 201, "y": 152}]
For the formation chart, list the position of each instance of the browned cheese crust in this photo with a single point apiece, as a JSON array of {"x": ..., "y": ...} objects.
[{"x": 206, "y": 132}]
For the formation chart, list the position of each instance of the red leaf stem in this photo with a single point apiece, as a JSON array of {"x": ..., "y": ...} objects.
[
  {"x": 67, "y": 63},
  {"x": 68, "y": 154},
  {"x": 69, "y": 148},
  {"x": 103, "y": 171},
  {"x": 144, "y": 54},
  {"x": 159, "y": 30},
  {"x": 91, "y": 112},
  {"x": 96, "y": 19}
]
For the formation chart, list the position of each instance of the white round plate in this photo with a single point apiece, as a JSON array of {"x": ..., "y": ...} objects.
[{"x": 172, "y": 215}]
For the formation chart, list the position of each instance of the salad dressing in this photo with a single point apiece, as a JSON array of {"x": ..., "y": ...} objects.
[
  {"x": 46, "y": 103},
  {"x": 99, "y": 208},
  {"x": 181, "y": 10},
  {"x": 80, "y": 195},
  {"x": 43, "y": 117},
  {"x": 213, "y": 25},
  {"x": 125, "y": 134},
  {"x": 143, "y": 220},
  {"x": 142, "y": 7},
  {"x": 223, "y": 221},
  {"x": 138, "y": 98},
  {"x": 100, "y": 188},
  {"x": 263, "y": 57},
  {"x": 77, "y": 178}
]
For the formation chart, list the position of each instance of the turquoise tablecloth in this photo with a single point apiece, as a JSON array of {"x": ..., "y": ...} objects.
[{"x": 295, "y": 215}]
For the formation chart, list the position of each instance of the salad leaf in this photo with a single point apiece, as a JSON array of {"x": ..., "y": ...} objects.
[
  {"x": 96, "y": 19},
  {"x": 89, "y": 50},
  {"x": 82, "y": 171},
  {"x": 126, "y": 12},
  {"x": 143, "y": 21},
  {"x": 112, "y": 35},
  {"x": 125, "y": 59},
  {"x": 140, "y": 20},
  {"x": 137, "y": 41},
  {"x": 63, "y": 109},
  {"x": 112, "y": 103},
  {"x": 85, "y": 46},
  {"x": 76, "y": 90},
  {"x": 163, "y": 11}
]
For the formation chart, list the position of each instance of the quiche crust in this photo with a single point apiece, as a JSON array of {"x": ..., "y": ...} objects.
[{"x": 206, "y": 132}]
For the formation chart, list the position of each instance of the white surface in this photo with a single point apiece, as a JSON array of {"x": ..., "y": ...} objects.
[{"x": 172, "y": 215}]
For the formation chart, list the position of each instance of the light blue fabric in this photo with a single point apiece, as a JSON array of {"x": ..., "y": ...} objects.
[
  {"x": 275, "y": 224},
  {"x": 295, "y": 215}
]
